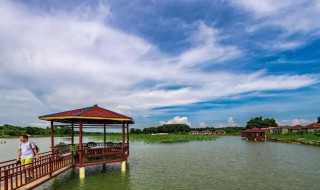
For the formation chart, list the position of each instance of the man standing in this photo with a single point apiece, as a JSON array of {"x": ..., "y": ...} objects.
[{"x": 27, "y": 151}]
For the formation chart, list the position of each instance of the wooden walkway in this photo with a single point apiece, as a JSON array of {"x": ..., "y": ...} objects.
[
  {"x": 40, "y": 181},
  {"x": 42, "y": 170},
  {"x": 48, "y": 166}
]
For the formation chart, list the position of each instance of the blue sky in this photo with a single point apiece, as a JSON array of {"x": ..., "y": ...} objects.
[{"x": 205, "y": 63}]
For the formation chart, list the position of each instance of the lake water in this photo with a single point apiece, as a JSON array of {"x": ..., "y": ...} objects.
[{"x": 227, "y": 163}]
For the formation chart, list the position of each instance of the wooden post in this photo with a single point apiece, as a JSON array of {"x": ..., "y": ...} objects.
[
  {"x": 80, "y": 143},
  {"x": 72, "y": 133},
  {"x": 123, "y": 133},
  {"x": 50, "y": 166},
  {"x": 52, "y": 137},
  {"x": 128, "y": 137},
  {"x": 104, "y": 134},
  {"x": 6, "y": 179}
]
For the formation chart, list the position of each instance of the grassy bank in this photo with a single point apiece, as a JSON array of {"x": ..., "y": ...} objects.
[
  {"x": 307, "y": 137},
  {"x": 171, "y": 138}
]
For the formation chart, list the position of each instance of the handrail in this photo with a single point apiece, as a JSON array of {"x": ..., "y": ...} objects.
[
  {"x": 15, "y": 159},
  {"x": 13, "y": 176}
]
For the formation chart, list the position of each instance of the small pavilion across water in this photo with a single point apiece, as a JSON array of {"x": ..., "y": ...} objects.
[{"x": 254, "y": 134}]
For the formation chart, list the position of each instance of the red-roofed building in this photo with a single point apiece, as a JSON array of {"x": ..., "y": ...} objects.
[
  {"x": 254, "y": 134},
  {"x": 268, "y": 130},
  {"x": 281, "y": 130},
  {"x": 295, "y": 129},
  {"x": 311, "y": 128}
]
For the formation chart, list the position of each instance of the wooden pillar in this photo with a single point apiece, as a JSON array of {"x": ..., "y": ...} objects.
[
  {"x": 128, "y": 132},
  {"x": 52, "y": 137},
  {"x": 104, "y": 134},
  {"x": 123, "y": 133},
  {"x": 80, "y": 143},
  {"x": 72, "y": 133}
]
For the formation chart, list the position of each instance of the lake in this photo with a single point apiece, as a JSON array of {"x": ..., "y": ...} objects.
[{"x": 226, "y": 163}]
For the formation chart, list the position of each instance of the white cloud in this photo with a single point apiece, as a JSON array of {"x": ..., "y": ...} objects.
[
  {"x": 177, "y": 120},
  {"x": 231, "y": 122},
  {"x": 207, "y": 48},
  {"x": 202, "y": 124},
  {"x": 293, "y": 122},
  {"x": 291, "y": 15}
]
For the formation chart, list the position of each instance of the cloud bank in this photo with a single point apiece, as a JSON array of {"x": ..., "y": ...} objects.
[{"x": 56, "y": 60}]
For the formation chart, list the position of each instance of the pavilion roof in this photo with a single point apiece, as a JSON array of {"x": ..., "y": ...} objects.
[{"x": 90, "y": 115}]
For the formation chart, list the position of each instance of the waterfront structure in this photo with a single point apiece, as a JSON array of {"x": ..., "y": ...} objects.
[
  {"x": 281, "y": 130},
  {"x": 63, "y": 157},
  {"x": 269, "y": 130},
  {"x": 311, "y": 128},
  {"x": 254, "y": 134},
  {"x": 295, "y": 129},
  {"x": 205, "y": 132},
  {"x": 193, "y": 132},
  {"x": 219, "y": 132}
]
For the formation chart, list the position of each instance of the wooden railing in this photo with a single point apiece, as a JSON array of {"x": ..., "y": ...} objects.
[
  {"x": 15, "y": 177},
  {"x": 101, "y": 155}
]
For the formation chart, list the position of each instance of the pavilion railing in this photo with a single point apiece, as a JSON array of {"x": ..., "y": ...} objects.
[{"x": 100, "y": 154}]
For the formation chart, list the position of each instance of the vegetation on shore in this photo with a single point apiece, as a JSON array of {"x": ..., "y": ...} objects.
[
  {"x": 177, "y": 133},
  {"x": 183, "y": 129},
  {"x": 297, "y": 137},
  {"x": 15, "y": 131},
  {"x": 148, "y": 138}
]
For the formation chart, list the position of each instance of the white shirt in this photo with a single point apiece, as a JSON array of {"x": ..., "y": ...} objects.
[{"x": 27, "y": 150}]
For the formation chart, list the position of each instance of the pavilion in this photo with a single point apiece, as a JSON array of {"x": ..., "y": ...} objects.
[
  {"x": 90, "y": 154},
  {"x": 254, "y": 134}
]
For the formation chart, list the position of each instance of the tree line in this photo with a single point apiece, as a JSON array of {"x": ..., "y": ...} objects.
[
  {"x": 167, "y": 128},
  {"x": 180, "y": 128},
  {"x": 260, "y": 122},
  {"x": 10, "y": 130}
]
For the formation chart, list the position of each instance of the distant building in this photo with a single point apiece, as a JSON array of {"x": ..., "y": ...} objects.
[
  {"x": 206, "y": 132},
  {"x": 281, "y": 130},
  {"x": 254, "y": 134},
  {"x": 297, "y": 129},
  {"x": 219, "y": 132},
  {"x": 311, "y": 128},
  {"x": 194, "y": 132},
  {"x": 268, "y": 130}
]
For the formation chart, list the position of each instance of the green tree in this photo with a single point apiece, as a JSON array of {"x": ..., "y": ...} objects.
[
  {"x": 135, "y": 131},
  {"x": 260, "y": 122},
  {"x": 318, "y": 120}
]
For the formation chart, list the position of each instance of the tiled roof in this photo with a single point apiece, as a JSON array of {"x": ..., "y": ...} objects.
[
  {"x": 313, "y": 125},
  {"x": 297, "y": 127},
  {"x": 94, "y": 113},
  {"x": 253, "y": 130}
]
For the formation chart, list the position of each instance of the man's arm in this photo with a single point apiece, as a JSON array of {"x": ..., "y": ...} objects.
[
  {"x": 19, "y": 155},
  {"x": 36, "y": 153}
]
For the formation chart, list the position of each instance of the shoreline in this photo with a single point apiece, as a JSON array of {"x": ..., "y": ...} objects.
[{"x": 306, "y": 142}]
